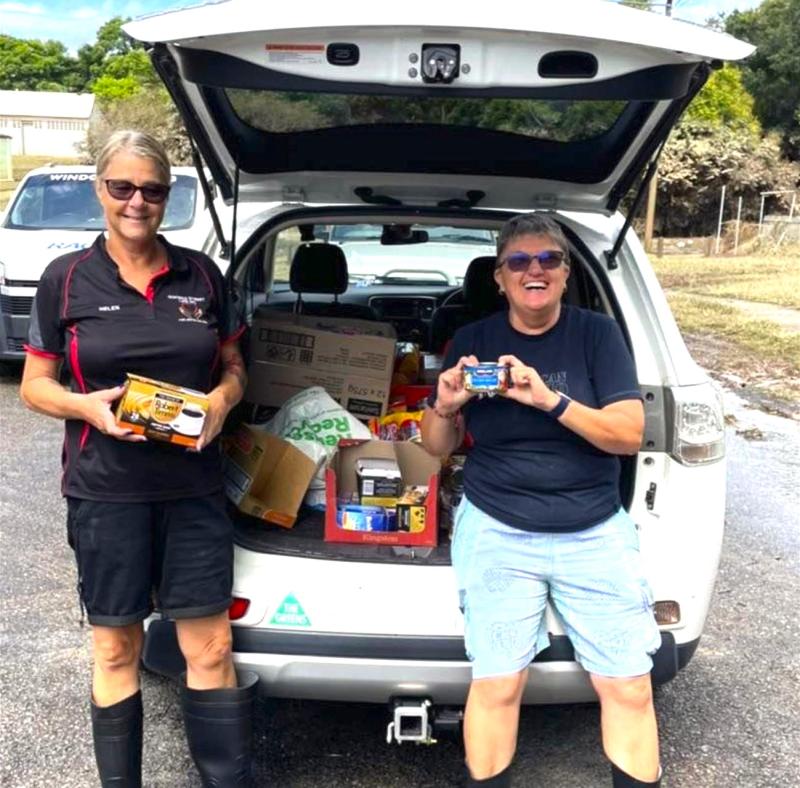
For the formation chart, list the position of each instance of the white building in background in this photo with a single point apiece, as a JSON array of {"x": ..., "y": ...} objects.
[{"x": 45, "y": 123}]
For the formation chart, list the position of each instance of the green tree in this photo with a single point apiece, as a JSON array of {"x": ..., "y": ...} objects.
[
  {"x": 112, "y": 43},
  {"x": 35, "y": 65},
  {"x": 724, "y": 101},
  {"x": 771, "y": 73}
]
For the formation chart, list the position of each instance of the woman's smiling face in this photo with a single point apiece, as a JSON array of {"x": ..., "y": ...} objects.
[
  {"x": 534, "y": 294},
  {"x": 134, "y": 219}
]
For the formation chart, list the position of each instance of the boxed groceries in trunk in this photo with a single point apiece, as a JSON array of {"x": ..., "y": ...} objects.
[
  {"x": 351, "y": 359},
  {"x": 382, "y": 492},
  {"x": 266, "y": 476}
]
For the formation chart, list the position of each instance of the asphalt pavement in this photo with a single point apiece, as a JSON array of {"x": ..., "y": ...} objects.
[{"x": 729, "y": 720}]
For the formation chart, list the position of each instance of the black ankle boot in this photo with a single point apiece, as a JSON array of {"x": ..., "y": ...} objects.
[
  {"x": 117, "y": 733},
  {"x": 501, "y": 780},
  {"x": 622, "y": 780},
  {"x": 219, "y": 727}
]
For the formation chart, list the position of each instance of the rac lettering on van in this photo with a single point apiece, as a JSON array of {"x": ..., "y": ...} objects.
[
  {"x": 72, "y": 176},
  {"x": 68, "y": 245}
]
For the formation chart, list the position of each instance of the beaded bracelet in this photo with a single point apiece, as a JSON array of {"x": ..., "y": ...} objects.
[{"x": 441, "y": 415}]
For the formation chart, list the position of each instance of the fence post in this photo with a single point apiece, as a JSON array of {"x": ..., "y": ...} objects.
[
  {"x": 738, "y": 224},
  {"x": 719, "y": 221}
]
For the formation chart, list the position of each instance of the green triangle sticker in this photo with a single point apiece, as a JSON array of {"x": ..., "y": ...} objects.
[{"x": 290, "y": 613}]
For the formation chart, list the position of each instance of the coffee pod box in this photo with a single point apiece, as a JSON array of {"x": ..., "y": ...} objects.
[{"x": 161, "y": 411}]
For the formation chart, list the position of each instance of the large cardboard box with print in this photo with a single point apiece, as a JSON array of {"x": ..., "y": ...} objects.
[{"x": 351, "y": 359}]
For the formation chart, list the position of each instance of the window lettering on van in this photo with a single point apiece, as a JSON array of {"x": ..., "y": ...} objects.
[
  {"x": 72, "y": 176},
  {"x": 68, "y": 245}
]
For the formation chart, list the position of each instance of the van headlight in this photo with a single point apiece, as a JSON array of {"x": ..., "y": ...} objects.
[
  {"x": 2, "y": 274},
  {"x": 698, "y": 424}
]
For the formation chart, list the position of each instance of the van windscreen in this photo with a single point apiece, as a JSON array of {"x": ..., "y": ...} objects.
[{"x": 67, "y": 201}]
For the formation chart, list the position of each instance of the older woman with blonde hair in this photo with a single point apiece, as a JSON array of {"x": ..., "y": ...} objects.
[{"x": 146, "y": 520}]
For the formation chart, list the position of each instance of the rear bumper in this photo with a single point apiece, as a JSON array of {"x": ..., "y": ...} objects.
[{"x": 328, "y": 666}]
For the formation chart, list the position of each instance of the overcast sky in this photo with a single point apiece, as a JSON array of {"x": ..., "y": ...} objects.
[{"x": 75, "y": 22}]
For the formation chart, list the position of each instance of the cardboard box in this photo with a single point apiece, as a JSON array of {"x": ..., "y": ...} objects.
[
  {"x": 351, "y": 359},
  {"x": 265, "y": 476},
  {"x": 161, "y": 411},
  {"x": 417, "y": 467}
]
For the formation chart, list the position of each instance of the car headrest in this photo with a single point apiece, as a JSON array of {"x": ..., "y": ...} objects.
[
  {"x": 318, "y": 268},
  {"x": 480, "y": 289}
]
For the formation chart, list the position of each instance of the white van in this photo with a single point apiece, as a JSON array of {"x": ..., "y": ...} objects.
[
  {"x": 53, "y": 211},
  {"x": 439, "y": 117}
]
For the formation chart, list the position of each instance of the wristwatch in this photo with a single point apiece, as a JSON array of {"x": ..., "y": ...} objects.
[{"x": 558, "y": 411}]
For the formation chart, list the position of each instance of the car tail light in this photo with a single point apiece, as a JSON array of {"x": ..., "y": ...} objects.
[
  {"x": 667, "y": 612},
  {"x": 698, "y": 425},
  {"x": 238, "y": 608}
]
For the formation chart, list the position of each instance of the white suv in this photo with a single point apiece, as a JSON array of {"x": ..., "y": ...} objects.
[{"x": 423, "y": 115}]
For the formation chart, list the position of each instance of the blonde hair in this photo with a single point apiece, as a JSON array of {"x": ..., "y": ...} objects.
[{"x": 137, "y": 143}]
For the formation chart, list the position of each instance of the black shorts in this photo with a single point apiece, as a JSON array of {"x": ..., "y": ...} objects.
[{"x": 177, "y": 555}]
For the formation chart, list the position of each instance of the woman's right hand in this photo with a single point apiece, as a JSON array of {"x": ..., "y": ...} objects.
[
  {"x": 450, "y": 392},
  {"x": 98, "y": 413}
]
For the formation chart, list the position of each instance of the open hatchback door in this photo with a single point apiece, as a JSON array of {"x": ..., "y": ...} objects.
[{"x": 507, "y": 105}]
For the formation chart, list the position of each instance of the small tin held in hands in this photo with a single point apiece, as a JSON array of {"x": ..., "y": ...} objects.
[{"x": 487, "y": 379}]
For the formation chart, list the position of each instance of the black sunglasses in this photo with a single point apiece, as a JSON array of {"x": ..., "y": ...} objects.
[
  {"x": 154, "y": 193},
  {"x": 520, "y": 261}
]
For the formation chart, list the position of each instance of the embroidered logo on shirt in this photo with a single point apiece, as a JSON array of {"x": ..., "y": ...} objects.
[
  {"x": 190, "y": 309},
  {"x": 109, "y": 308}
]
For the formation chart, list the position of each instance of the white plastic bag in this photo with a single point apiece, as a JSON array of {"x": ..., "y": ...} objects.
[{"x": 314, "y": 422}]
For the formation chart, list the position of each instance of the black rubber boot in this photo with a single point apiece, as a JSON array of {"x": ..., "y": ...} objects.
[
  {"x": 622, "y": 780},
  {"x": 501, "y": 780},
  {"x": 117, "y": 733},
  {"x": 219, "y": 727}
]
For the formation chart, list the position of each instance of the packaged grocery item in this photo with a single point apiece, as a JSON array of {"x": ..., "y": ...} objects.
[
  {"x": 378, "y": 478},
  {"x": 401, "y": 425},
  {"x": 355, "y": 517},
  {"x": 487, "y": 379},
  {"x": 161, "y": 411},
  {"x": 410, "y": 509}
]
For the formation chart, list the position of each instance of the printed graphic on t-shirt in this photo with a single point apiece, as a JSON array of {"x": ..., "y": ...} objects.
[{"x": 557, "y": 381}]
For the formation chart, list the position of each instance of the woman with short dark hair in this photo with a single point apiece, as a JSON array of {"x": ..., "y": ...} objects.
[
  {"x": 145, "y": 517},
  {"x": 541, "y": 515}
]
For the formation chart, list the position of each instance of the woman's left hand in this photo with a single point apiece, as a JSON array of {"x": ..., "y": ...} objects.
[
  {"x": 528, "y": 387},
  {"x": 217, "y": 413}
]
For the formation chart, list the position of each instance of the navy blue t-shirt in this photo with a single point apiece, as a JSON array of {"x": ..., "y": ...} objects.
[{"x": 525, "y": 468}]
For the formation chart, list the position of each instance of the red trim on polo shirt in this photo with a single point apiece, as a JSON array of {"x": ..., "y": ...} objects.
[
  {"x": 234, "y": 336},
  {"x": 150, "y": 292},
  {"x": 34, "y": 351},
  {"x": 75, "y": 365}
]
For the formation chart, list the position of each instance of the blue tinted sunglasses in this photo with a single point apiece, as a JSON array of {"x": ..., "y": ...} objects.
[{"x": 520, "y": 261}]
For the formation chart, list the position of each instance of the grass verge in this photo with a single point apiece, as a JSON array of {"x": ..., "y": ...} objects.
[{"x": 769, "y": 280}]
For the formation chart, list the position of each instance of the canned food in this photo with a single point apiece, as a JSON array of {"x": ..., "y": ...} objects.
[{"x": 489, "y": 378}]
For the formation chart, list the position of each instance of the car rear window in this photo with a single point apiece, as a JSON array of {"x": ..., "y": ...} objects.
[
  {"x": 560, "y": 121},
  {"x": 67, "y": 201}
]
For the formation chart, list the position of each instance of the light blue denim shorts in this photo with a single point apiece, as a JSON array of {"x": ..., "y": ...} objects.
[{"x": 593, "y": 577}]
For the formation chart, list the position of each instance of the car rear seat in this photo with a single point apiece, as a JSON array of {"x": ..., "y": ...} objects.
[{"x": 321, "y": 268}]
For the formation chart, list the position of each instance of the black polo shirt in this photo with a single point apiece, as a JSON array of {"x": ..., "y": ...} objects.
[{"x": 85, "y": 314}]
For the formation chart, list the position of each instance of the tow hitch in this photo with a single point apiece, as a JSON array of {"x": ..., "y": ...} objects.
[{"x": 417, "y": 720}]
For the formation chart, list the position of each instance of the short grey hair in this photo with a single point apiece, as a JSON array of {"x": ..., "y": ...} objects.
[
  {"x": 137, "y": 143},
  {"x": 532, "y": 224}
]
